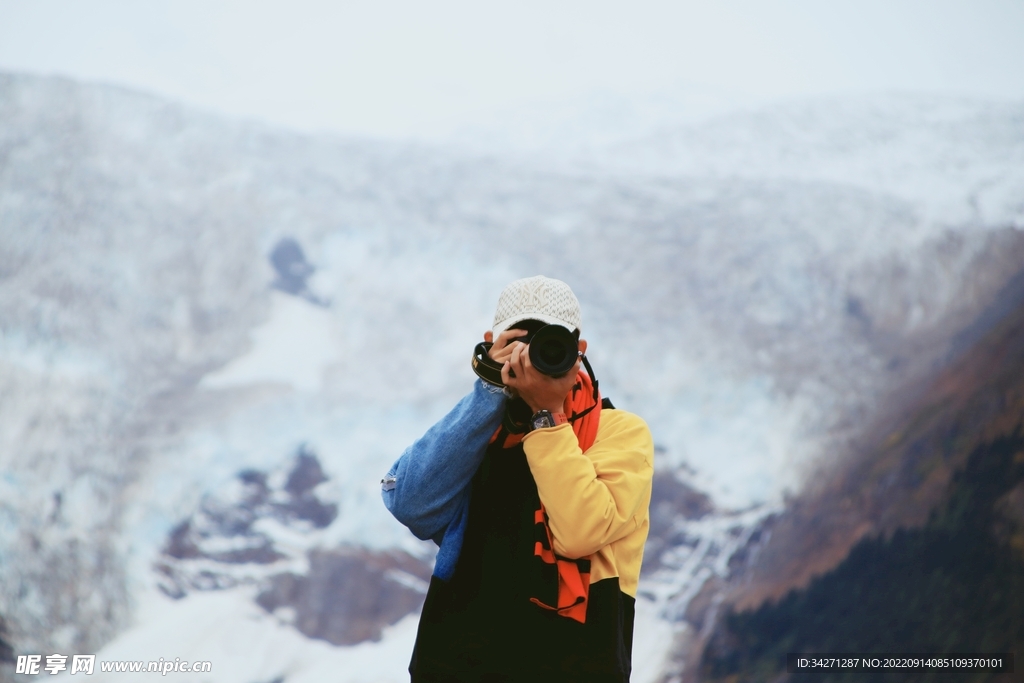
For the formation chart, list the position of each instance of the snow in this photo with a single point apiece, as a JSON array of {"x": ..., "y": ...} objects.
[
  {"x": 293, "y": 347},
  {"x": 245, "y": 644},
  {"x": 652, "y": 642}
]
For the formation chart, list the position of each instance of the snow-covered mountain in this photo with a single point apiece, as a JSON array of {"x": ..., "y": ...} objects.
[{"x": 185, "y": 299}]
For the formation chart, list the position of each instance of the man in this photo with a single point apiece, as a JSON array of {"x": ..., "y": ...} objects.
[{"x": 537, "y": 493}]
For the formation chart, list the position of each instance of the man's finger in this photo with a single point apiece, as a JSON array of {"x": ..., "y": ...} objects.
[
  {"x": 525, "y": 355},
  {"x": 501, "y": 354},
  {"x": 507, "y": 351},
  {"x": 508, "y": 336},
  {"x": 517, "y": 355},
  {"x": 515, "y": 361}
]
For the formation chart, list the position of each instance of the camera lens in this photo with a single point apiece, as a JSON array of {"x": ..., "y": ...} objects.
[{"x": 553, "y": 350}]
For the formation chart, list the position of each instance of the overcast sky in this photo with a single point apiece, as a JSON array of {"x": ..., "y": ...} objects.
[{"x": 423, "y": 69}]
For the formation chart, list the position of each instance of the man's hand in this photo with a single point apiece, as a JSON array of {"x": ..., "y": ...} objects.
[
  {"x": 538, "y": 390},
  {"x": 501, "y": 351}
]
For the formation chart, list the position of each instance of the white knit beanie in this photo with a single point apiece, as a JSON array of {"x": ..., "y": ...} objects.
[{"x": 537, "y": 298}]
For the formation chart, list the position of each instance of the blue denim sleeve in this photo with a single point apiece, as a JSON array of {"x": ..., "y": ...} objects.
[{"x": 429, "y": 483}]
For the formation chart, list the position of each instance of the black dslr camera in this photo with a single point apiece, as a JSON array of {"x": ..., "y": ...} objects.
[{"x": 553, "y": 351}]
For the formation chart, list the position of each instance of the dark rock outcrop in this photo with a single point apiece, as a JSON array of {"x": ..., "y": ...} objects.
[
  {"x": 671, "y": 501},
  {"x": 293, "y": 270},
  {"x": 6, "y": 649},
  {"x": 349, "y": 594},
  {"x": 222, "y": 531}
]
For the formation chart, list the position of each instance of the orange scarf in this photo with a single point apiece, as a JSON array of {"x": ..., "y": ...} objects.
[{"x": 584, "y": 410}]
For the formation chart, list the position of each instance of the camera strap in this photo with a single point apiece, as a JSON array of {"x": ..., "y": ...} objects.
[{"x": 485, "y": 367}]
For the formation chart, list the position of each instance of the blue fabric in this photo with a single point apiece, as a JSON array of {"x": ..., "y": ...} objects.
[{"x": 428, "y": 487}]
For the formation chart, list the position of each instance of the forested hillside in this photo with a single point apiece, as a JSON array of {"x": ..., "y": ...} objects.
[{"x": 954, "y": 584}]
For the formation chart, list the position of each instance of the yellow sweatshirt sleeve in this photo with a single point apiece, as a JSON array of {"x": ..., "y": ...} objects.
[{"x": 593, "y": 498}]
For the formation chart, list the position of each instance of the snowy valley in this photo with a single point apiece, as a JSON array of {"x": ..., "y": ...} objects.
[{"x": 216, "y": 337}]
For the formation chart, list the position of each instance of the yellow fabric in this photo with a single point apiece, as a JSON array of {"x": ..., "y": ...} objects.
[{"x": 597, "y": 502}]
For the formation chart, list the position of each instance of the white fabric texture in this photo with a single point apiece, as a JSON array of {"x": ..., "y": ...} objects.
[{"x": 537, "y": 298}]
